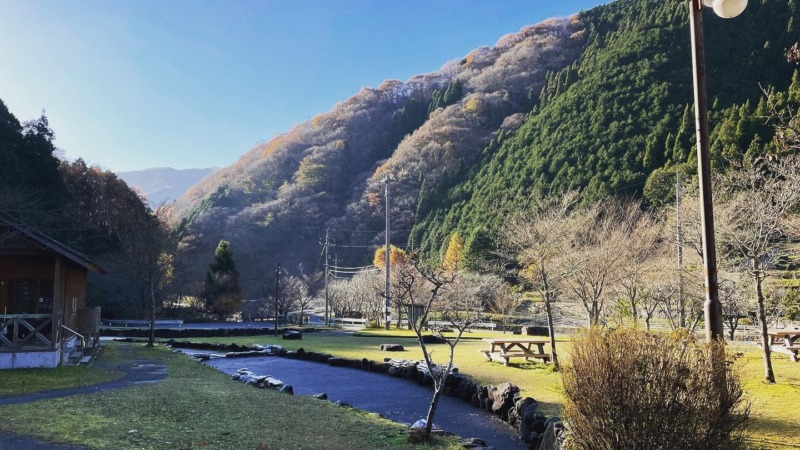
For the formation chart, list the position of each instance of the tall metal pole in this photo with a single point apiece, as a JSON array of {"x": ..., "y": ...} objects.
[
  {"x": 327, "y": 300},
  {"x": 387, "y": 257},
  {"x": 713, "y": 308},
  {"x": 277, "y": 280}
]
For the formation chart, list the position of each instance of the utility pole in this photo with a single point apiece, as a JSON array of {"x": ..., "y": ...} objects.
[
  {"x": 387, "y": 257},
  {"x": 277, "y": 285},
  {"x": 681, "y": 303},
  {"x": 327, "y": 299}
]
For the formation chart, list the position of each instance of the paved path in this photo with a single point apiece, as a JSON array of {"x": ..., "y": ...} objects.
[
  {"x": 136, "y": 372},
  {"x": 396, "y": 399}
]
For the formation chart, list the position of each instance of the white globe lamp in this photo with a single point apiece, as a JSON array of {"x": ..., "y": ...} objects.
[{"x": 727, "y": 9}]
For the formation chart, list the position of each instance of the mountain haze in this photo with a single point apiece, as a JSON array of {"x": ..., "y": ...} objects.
[
  {"x": 164, "y": 184},
  {"x": 598, "y": 101}
]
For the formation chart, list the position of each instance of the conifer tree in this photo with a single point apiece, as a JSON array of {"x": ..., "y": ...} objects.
[{"x": 222, "y": 294}]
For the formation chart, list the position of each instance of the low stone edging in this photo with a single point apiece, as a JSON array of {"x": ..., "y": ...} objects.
[
  {"x": 504, "y": 401},
  {"x": 185, "y": 333}
]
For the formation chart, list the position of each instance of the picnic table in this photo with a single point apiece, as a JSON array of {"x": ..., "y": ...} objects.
[
  {"x": 785, "y": 341},
  {"x": 503, "y": 349}
]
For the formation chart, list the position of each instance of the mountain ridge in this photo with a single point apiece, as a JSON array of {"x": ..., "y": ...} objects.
[
  {"x": 598, "y": 101},
  {"x": 163, "y": 184}
]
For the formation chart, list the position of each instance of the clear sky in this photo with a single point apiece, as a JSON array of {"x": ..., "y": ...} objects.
[{"x": 129, "y": 85}]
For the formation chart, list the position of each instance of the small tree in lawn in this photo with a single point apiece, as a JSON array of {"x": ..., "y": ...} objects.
[
  {"x": 754, "y": 222},
  {"x": 149, "y": 246},
  {"x": 504, "y": 305},
  {"x": 735, "y": 306},
  {"x": 458, "y": 311},
  {"x": 538, "y": 241}
]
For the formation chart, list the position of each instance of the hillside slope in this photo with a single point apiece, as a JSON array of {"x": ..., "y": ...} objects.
[
  {"x": 624, "y": 111},
  {"x": 599, "y": 102},
  {"x": 276, "y": 202}
]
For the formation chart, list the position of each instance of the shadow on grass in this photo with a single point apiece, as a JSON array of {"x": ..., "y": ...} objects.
[{"x": 773, "y": 434}]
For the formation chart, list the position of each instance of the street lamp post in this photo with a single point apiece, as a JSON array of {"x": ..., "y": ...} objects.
[
  {"x": 726, "y": 9},
  {"x": 277, "y": 286}
]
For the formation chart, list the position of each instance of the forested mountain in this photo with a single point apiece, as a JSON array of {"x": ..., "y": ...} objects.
[
  {"x": 85, "y": 207},
  {"x": 275, "y": 203},
  {"x": 164, "y": 184},
  {"x": 600, "y": 101}
]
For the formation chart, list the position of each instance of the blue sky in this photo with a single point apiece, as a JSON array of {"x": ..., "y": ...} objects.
[{"x": 129, "y": 85}]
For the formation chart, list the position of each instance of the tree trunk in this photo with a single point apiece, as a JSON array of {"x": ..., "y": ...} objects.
[
  {"x": 152, "y": 336},
  {"x": 551, "y": 331},
  {"x": 769, "y": 375},
  {"x": 437, "y": 394}
]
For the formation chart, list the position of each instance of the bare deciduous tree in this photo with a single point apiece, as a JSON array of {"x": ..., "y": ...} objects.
[
  {"x": 751, "y": 224},
  {"x": 638, "y": 262},
  {"x": 600, "y": 251},
  {"x": 148, "y": 247},
  {"x": 457, "y": 310},
  {"x": 735, "y": 306},
  {"x": 539, "y": 241}
]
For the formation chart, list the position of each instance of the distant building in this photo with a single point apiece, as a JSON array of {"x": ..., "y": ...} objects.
[{"x": 44, "y": 321}]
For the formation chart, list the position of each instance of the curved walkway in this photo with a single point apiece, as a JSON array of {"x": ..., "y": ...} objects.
[
  {"x": 396, "y": 399},
  {"x": 136, "y": 371}
]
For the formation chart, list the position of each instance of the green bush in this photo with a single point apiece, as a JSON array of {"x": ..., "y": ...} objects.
[{"x": 630, "y": 389}]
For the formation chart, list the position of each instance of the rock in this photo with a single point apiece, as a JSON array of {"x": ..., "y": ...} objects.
[
  {"x": 532, "y": 438},
  {"x": 320, "y": 396},
  {"x": 537, "y": 331},
  {"x": 201, "y": 356},
  {"x": 343, "y": 404},
  {"x": 431, "y": 339},
  {"x": 537, "y": 424},
  {"x": 287, "y": 389},
  {"x": 548, "y": 440},
  {"x": 275, "y": 350},
  {"x": 502, "y": 399},
  {"x": 292, "y": 335},
  {"x": 392, "y": 348},
  {"x": 273, "y": 383},
  {"x": 340, "y": 362},
  {"x": 473, "y": 443},
  {"x": 467, "y": 388}
]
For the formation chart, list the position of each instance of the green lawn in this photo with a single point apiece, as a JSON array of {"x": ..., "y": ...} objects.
[
  {"x": 26, "y": 381},
  {"x": 199, "y": 407},
  {"x": 775, "y": 417}
]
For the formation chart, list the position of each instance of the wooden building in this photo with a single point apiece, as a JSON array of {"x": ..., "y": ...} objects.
[{"x": 44, "y": 321}]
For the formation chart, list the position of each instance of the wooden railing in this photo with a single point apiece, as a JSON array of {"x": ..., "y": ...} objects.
[{"x": 27, "y": 332}]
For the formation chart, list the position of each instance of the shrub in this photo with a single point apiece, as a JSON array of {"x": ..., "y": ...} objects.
[{"x": 630, "y": 389}]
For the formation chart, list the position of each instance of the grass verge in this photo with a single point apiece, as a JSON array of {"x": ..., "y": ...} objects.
[
  {"x": 199, "y": 407},
  {"x": 27, "y": 381}
]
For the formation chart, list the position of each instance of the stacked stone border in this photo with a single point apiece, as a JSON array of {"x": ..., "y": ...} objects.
[{"x": 504, "y": 400}]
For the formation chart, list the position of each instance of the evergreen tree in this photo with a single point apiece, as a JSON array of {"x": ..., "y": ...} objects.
[{"x": 221, "y": 291}]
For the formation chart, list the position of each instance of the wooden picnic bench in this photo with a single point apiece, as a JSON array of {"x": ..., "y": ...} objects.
[
  {"x": 503, "y": 349},
  {"x": 785, "y": 341}
]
